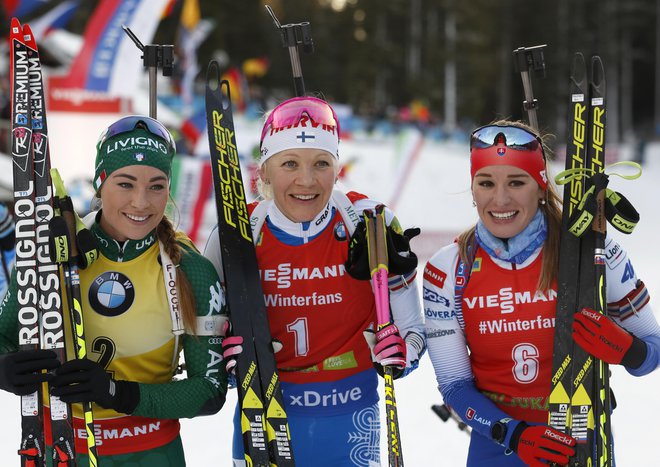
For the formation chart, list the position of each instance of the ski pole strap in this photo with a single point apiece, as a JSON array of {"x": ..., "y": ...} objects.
[{"x": 619, "y": 212}]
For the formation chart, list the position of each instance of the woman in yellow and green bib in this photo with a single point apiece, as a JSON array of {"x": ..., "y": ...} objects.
[{"x": 148, "y": 296}]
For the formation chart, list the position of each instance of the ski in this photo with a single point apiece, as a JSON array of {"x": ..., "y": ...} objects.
[
  {"x": 264, "y": 423},
  {"x": 570, "y": 407},
  {"x": 50, "y": 299},
  {"x": 579, "y": 402},
  {"x": 32, "y": 430},
  {"x": 592, "y": 265}
]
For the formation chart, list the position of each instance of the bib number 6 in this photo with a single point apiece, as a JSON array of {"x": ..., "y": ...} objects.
[{"x": 525, "y": 363}]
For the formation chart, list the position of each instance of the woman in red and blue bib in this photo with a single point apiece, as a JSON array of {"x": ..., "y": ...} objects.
[
  {"x": 490, "y": 302},
  {"x": 317, "y": 310}
]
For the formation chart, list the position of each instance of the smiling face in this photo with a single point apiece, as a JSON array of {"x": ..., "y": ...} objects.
[
  {"x": 134, "y": 199},
  {"x": 301, "y": 181},
  {"x": 507, "y": 199}
]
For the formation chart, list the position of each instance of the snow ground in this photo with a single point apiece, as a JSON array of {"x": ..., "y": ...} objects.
[{"x": 436, "y": 198}]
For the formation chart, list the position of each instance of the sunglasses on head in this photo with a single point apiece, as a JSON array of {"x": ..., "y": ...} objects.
[
  {"x": 291, "y": 111},
  {"x": 128, "y": 124},
  {"x": 513, "y": 137}
]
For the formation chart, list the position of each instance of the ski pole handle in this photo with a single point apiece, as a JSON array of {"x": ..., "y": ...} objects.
[
  {"x": 526, "y": 59},
  {"x": 377, "y": 253},
  {"x": 80, "y": 238},
  {"x": 293, "y": 36}
]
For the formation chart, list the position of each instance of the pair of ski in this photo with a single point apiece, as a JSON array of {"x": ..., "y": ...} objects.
[
  {"x": 39, "y": 297},
  {"x": 579, "y": 402},
  {"x": 264, "y": 424}
]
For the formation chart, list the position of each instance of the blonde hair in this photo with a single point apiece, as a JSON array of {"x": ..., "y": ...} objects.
[{"x": 552, "y": 212}]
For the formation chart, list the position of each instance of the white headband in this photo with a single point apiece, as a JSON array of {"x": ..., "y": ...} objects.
[{"x": 306, "y": 134}]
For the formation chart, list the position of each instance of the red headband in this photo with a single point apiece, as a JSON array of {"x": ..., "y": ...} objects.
[{"x": 530, "y": 161}]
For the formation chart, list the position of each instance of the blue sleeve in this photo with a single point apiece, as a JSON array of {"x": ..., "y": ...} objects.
[
  {"x": 476, "y": 410},
  {"x": 652, "y": 357}
]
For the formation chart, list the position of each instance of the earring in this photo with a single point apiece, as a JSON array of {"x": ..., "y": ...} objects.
[
  {"x": 541, "y": 201},
  {"x": 474, "y": 204}
]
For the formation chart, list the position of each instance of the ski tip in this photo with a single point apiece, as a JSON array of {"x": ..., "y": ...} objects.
[
  {"x": 578, "y": 67},
  {"x": 216, "y": 87},
  {"x": 213, "y": 76},
  {"x": 15, "y": 30},
  {"x": 15, "y": 25},
  {"x": 597, "y": 71},
  {"x": 27, "y": 34}
]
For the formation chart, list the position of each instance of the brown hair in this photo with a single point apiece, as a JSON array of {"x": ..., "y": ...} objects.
[
  {"x": 167, "y": 236},
  {"x": 552, "y": 212}
]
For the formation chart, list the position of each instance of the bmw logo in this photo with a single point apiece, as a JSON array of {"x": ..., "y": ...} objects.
[
  {"x": 111, "y": 294},
  {"x": 340, "y": 231}
]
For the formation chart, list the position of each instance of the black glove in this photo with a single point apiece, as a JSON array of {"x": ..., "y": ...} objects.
[
  {"x": 401, "y": 259},
  {"x": 22, "y": 372},
  {"x": 87, "y": 381}
]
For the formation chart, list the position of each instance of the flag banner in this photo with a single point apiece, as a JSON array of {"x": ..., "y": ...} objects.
[
  {"x": 21, "y": 8},
  {"x": 109, "y": 61},
  {"x": 56, "y": 18}
]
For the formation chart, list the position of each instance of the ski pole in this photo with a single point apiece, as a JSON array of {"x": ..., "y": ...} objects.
[
  {"x": 445, "y": 413},
  {"x": 596, "y": 153},
  {"x": 526, "y": 59},
  {"x": 153, "y": 57},
  {"x": 64, "y": 233},
  {"x": 293, "y": 36},
  {"x": 378, "y": 265}
]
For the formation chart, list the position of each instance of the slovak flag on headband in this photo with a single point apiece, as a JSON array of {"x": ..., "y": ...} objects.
[{"x": 109, "y": 61}]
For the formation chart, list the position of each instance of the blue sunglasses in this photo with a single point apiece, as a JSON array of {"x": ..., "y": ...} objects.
[{"x": 512, "y": 136}]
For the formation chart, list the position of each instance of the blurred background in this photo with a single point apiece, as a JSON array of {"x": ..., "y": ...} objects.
[{"x": 443, "y": 64}]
